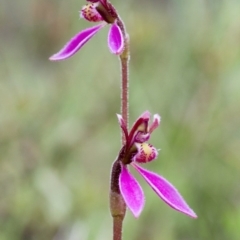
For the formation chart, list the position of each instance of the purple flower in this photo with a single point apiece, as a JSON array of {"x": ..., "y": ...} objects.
[
  {"x": 95, "y": 11},
  {"x": 137, "y": 150}
]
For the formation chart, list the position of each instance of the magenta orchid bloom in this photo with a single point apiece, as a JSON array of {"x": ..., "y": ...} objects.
[
  {"x": 137, "y": 150},
  {"x": 95, "y": 11}
]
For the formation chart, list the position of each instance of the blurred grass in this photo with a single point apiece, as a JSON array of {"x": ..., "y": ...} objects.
[{"x": 59, "y": 133}]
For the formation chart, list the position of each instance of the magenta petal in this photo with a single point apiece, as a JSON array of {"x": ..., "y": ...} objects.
[
  {"x": 123, "y": 125},
  {"x": 115, "y": 39},
  {"x": 76, "y": 43},
  {"x": 155, "y": 123},
  {"x": 166, "y": 191},
  {"x": 131, "y": 191}
]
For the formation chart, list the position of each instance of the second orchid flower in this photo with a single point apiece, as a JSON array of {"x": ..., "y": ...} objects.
[{"x": 137, "y": 151}]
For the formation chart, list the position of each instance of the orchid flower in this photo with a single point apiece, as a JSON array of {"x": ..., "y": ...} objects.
[
  {"x": 95, "y": 11},
  {"x": 136, "y": 151}
]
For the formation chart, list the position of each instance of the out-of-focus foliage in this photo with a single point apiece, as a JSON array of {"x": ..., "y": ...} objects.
[{"x": 59, "y": 133}]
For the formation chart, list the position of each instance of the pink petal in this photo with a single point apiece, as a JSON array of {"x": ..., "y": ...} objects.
[
  {"x": 115, "y": 39},
  {"x": 76, "y": 43},
  {"x": 166, "y": 191},
  {"x": 131, "y": 191},
  {"x": 155, "y": 123},
  {"x": 123, "y": 125}
]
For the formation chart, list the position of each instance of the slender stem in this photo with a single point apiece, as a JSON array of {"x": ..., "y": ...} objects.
[
  {"x": 124, "y": 61},
  {"x": 124, "y": 92},
  {"x": 117, "y": 228},
  {"x": 117, "y": 203}
]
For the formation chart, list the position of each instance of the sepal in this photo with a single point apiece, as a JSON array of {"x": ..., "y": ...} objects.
[
  {"x": 155, "y": 123},
  {"x": 131, "y": 191},
  {"x": 166, "y": 191},
  {"x": 115, "y": 39},
  {"x": 76, "y": 43}
]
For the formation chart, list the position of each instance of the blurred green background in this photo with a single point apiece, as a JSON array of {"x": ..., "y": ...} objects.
[{"x": 59, "y": 133}]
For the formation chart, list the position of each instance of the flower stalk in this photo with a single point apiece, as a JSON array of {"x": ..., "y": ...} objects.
[
  {"x": 124, "y": 63},
  {"x": 117, "y": 203}
]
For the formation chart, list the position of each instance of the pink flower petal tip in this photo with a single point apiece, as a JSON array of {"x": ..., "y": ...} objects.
[
  {"x": 155, "y": 123},
  {"x": 76, "y": 43}
]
